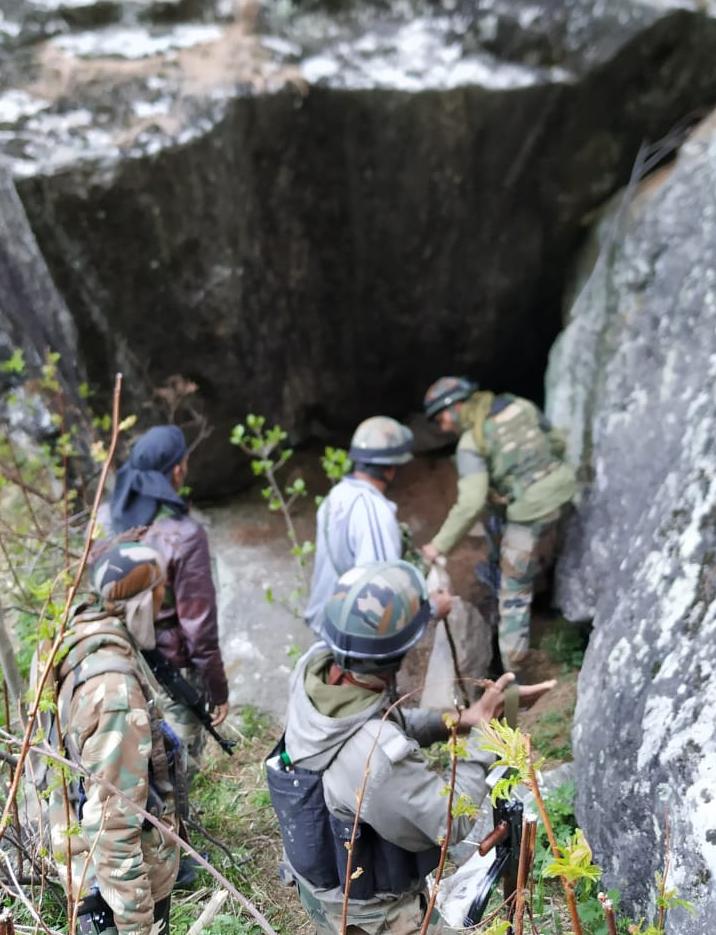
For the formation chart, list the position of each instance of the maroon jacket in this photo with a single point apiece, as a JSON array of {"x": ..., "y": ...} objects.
[{"x": 187, "y": 633}]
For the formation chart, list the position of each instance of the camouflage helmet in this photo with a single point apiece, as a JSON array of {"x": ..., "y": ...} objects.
[
  {"x": 446, "y": 391},
  {"x": 124, "y": 577},
  {"x": 375, "y": 615},
  {"x": 381, "y": 440}
]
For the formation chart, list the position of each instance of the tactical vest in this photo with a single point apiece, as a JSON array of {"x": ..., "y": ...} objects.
[
  {"x": 315, "y": 841},
  {"x": 514, "y": 440},
  {"x": 167, "y": 787}
]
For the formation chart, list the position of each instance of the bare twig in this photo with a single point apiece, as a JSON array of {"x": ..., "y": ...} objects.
[
  {"x": 8, "y": 662},
  {"x": 13, "y": 571},
  {"x": 20, "y": 482},
  {"x": 85, "y": 867},
  {"x": 523, "y": 870},
  {"x": 448, "y": 825},
  {"x": 609, "y": 915},
  {"x": 15, "y": 812},
  {"x": 456, "y": 665},
  {"x": 21, "y": 895},
  {"x": 26, "y": 488},
  {"x": 661, "y": 917},
  {"x": 359, "y": 805}
]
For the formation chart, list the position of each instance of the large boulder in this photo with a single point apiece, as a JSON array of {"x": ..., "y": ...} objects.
[
  {"x": 313, "y": 215},
  {"x": 634, "y": 373}
]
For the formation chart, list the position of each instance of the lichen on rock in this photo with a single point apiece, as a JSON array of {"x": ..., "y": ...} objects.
[{"x": 640, "y": 554}]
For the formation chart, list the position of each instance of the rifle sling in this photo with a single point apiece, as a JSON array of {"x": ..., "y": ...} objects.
[{"x": 512, "y": 702}]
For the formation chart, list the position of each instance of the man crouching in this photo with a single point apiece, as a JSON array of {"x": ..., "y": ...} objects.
[{"x": 339, "y": 692}]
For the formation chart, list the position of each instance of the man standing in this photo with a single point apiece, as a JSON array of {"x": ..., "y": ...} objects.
[
  {"x": 507, "y": 449},
  {"x": 356, "y": 523},
  {"x": 147, "y": 500},
  {"x": 121, "y": 868},
  {"x": 339, "y": 692}
]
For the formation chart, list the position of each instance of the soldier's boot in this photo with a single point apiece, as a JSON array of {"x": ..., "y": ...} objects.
[{"x": 95, "y": 916}]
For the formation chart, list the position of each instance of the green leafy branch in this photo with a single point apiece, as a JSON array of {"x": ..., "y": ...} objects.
[{"x": 266, "y": 448}]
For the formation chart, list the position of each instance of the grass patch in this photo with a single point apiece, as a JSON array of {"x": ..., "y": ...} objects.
[
  {"x": 551, "y": 734},
  {"x": 230, "y": 800},
  {"x": 565, "y": 644}
]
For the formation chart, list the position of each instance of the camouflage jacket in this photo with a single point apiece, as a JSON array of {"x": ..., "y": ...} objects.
[
  {"x": 507, "y": 448},
  {"x": 106, "y": 723}
]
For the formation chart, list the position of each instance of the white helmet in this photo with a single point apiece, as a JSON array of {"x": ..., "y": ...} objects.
[{"x": 381, "y": 440}]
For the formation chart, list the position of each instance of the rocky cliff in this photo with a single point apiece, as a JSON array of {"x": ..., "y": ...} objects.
[
  {"x": 633, "y": 374},
  {"x": 314, "y": 213}
]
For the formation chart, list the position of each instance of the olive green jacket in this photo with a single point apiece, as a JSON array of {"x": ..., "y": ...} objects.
[{"x": 508, "y": 449}]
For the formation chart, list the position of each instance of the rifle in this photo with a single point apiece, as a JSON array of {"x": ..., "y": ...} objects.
[
  {"x": 505, "y": 838},
  {"x": 185, "y": 694}
]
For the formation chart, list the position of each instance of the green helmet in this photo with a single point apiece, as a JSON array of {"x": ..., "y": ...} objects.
[
  {"x": 375, "y": 615},
  {"x": 446, "y": 391},
  {"x": 381, "y": 440}
]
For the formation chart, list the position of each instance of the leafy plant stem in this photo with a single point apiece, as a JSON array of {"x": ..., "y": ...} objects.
[
  {"x": 662, "y": 902},
  {"x": 24, "y": 487},
  {"x": 539, "y": 802},
  {"x": 448, "y": 824},
  {"x": 13, "y": 571}
]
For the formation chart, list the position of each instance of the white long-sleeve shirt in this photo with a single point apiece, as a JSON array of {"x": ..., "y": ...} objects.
[{"x": 356, "y": 525}]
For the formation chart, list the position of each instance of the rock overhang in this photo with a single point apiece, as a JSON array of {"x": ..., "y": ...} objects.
[{"x": 408, "y": 210}]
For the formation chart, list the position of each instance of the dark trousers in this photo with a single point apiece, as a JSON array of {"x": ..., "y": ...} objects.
[{"x": 95, "y": 916}]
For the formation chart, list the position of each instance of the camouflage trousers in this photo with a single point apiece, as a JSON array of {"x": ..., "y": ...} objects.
[
  {"x": 399, "y": 917},
  {"x": 187, "y": 728},
  {"x": 518, "y": 558}
]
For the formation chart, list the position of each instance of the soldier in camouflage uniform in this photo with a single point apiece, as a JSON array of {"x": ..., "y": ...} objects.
[
  {"x": 339, "y": 692},
  {"x": 122, "y": 869},
  {"x": 510, "y": 454}
]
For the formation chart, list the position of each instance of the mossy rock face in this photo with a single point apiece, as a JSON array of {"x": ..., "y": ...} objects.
[
  {"x": 317, "y": 222},
  {"x": 633, "y": 377}
]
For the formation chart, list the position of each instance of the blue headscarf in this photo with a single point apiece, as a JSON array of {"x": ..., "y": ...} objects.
[{"x": 143, "y": 483}]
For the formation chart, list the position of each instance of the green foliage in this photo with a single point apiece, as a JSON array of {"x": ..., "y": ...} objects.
[
  {"x": 496, "y": 928},
  {"x": 252, "y": 722},
  {"x": 510, "y": 747},
  {"x": 336, "y": 463},
  {"x": 463, "y": 805},
  {"x": 575, "y": 863},
  {"x": 667, "y": 899},
  {"x": 591, "y": 911},
  {"x": 551, "y": 734},
  {"x": 265, "y": 447},
  {"x": 564, "y": 644},
  {"x": 15, "y": 362}
]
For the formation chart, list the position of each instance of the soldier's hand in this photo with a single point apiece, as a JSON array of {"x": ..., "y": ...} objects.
[
  {"x": 492, "y": 703},
  {"x": 440, "y": 603},
  {"x": 219, "y": 714},
  {"x": 430, "y": 553}
]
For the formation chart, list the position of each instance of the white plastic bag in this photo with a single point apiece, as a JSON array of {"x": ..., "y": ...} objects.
[{"x": 473, "y": 646}]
